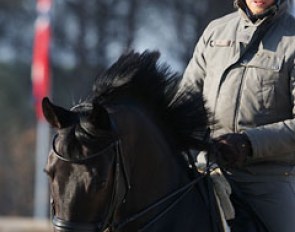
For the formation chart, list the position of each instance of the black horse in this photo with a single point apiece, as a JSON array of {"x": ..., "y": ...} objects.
[{"x": 120, "y": 160}]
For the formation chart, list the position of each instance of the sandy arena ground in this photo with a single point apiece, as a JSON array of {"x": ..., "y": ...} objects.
[{"x": 24, "y": 225}]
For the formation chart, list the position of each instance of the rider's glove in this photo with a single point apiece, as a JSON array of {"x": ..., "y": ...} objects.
[{"x": 232, "y": 149}]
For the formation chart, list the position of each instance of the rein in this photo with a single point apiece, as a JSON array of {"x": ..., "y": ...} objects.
[
  {"x": 184, "y": 190},
  {"x": 108, "y": 224}
]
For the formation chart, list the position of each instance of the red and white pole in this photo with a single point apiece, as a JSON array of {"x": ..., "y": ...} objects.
[{"x": 41, "y": 88}]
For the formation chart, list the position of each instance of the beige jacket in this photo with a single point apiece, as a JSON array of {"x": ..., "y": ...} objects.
[{"x": 249, "y": 90}]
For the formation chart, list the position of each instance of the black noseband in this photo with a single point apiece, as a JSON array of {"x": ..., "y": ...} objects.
[{"x": 68, "y": 226}]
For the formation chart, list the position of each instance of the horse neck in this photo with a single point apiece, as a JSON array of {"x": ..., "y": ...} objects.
[{"x": 152, "y": 165}]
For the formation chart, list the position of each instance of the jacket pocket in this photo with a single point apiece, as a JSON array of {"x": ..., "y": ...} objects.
[
  {"x": 265, "y": 69},
  {"x": 266, "y": 60}
]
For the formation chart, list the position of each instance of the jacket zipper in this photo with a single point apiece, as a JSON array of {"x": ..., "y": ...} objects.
[{"x": 238, "y": 102}]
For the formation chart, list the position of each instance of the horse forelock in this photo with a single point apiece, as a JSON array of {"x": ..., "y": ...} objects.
[{"x": 128, "y": 74}]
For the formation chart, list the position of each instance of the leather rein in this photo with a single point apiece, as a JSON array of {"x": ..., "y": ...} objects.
[{"x": 108, "y": 224}]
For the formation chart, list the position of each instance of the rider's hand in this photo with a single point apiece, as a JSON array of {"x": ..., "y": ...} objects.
[{"x": 232, "y": 149}]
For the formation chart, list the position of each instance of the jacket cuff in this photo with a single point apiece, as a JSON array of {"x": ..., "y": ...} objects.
[{"x": 253, "y": 138}]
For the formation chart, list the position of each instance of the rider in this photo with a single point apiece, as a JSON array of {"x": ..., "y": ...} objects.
[{"x": 244, "y": 66}]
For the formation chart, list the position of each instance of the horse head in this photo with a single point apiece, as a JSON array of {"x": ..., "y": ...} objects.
[{"x": 80, "y": 164}]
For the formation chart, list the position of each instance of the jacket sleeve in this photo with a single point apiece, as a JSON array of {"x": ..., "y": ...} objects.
[
  {"x": 195, "y": 72},
  {"x": 276, "y": 141}
]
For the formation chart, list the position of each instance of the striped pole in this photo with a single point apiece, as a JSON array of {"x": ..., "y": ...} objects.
[{"x": 41, "y": 88}]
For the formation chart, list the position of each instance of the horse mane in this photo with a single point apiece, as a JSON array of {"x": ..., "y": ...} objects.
[{"x": 139, "y": 76}]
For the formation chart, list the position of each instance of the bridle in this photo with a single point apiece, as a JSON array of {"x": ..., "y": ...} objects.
[
  {"x": 119, "y": 165},
  {"x": 118, "y": 196}
]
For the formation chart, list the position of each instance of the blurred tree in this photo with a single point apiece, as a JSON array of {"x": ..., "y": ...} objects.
[
  {"x": 88, "y": 36},
  {"x": 16, "y": 141}
]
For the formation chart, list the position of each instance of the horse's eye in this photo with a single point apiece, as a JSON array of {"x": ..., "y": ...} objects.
[
  {"x": 97, "y": 184},
  {"x": 99, "y": 179},
  {"x": 102, "y": 183}
]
